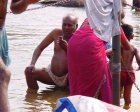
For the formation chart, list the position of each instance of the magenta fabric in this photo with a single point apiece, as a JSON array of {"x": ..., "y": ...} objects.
[
  {"x": 87, "y": 65},
  {"x": 123, "y": 37}
]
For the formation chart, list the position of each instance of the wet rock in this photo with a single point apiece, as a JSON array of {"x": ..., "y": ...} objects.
[{"x": 70, "y": 3}]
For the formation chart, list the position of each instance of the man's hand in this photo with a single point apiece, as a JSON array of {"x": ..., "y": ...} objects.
[
  {"x": 62, "y": 43},
  {"x": 30, "y": 69}
]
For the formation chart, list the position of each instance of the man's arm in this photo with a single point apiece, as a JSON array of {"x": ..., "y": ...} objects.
[
  {"x": 19, "y": 6},
  {"x": 37, "y": 52},
  {"x": 45, "y": 42}
]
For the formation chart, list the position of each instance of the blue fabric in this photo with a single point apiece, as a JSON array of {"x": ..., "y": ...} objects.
[
  {"x": 4, "y": 49},
  {"x": 65, "y": 103},
  {"x": 108, "y": 45}
]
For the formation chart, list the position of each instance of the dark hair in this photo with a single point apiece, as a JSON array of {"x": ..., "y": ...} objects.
[{"x": 128, "y": 30}]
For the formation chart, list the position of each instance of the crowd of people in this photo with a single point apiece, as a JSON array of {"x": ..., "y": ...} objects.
[{"x": 79, "y": 59}]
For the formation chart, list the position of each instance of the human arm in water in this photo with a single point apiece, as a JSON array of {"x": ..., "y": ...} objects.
[
  {"x": 19, "y": 6},
  {"x": 37, "y": 52}
]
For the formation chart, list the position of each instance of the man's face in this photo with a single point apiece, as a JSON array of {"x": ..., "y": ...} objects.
[{"x": 69, "y": 26}]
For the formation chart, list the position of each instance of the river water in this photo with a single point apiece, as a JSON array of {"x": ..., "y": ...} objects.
[{"x": 25, "y": 31}]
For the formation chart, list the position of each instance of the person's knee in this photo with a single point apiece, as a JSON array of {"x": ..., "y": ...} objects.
[
  {"x": 5, "y": 75},
  {"x": 30, "y": 75},
  {"x": 26, "y": 72}
]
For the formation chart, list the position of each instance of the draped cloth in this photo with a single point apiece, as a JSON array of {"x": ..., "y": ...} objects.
[
  {"x": 87, "y": 65},
  {"x": 4, "y": 48},
  {"x": 79, "y": 103},
  {"x": 103, "y": 17}
]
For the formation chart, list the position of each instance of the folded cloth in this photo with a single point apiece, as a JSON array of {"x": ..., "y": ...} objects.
[
  {"x": 4, "y": 48},
  {"x": 103, "y": 17}
]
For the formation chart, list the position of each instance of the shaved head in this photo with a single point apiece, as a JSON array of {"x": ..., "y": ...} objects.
[
  {"x": 69, "y": 25},
  {"x": 71, "y": 17}
]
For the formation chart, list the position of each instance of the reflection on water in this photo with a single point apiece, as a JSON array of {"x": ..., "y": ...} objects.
[
  {"x": 45, "y": 100},
  {"x": 25, "y": 31}
]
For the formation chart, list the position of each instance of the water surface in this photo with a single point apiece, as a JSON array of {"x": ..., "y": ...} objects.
[{"x": 25, "y": 31}]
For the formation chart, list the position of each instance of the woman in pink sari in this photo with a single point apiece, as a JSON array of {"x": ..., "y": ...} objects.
[{"x": 88, "y": 71}]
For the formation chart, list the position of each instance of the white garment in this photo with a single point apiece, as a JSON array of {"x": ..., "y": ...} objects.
[
  {"x": 103, "y": 17},
  {"x": 79, "y": 103}
]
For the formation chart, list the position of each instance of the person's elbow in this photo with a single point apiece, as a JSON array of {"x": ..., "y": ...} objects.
[
  {"x": 14, "y": 10},
  {"x": 17, "y": 8}
]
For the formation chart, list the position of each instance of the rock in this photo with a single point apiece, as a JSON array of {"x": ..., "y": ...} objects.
[{"x": 70, "y": 3}]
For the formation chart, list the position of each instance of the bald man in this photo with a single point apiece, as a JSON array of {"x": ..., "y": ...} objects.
[{"x": 56, "y": 72}]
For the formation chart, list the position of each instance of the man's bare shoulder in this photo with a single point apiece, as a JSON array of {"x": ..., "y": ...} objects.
[{"x": 57, "y": 30}]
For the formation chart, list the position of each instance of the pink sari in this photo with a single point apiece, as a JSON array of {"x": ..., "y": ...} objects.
[{"x": 88, "y": 70}]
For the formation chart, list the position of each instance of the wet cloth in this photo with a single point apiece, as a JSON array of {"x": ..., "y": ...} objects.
[
  {"x": 4, "y": 48},
  {"x": 103, "y": 17},
  {"x": 125, "y": 78},
  {"x": 87, "y": 65},
  {"x": 59, "y": 81}
]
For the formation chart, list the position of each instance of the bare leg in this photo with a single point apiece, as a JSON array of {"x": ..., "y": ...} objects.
[
  {"x": 121, "y": 91},
  {"x": 38, "y": 75},
  {"x": 31, "y": 82},
  {"x": 127, "y": 96},
  {"x": 4, "y": 81}
]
